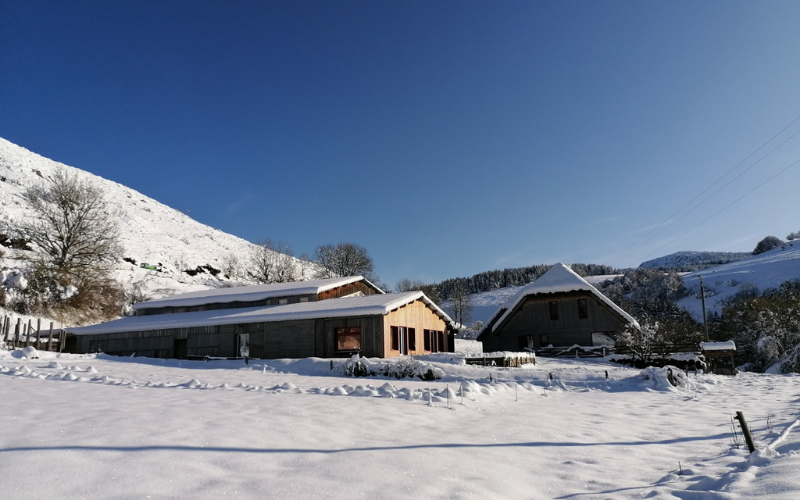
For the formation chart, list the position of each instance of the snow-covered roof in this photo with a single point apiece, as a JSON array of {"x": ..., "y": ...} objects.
[
  {"x": 251, "y": 293},
  {"x": 558, "y": 279},
  {"x": 718, "y": 346},
  {"x": 368, "y": 305}
]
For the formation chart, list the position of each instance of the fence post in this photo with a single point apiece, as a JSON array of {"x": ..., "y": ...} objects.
[
  {"x": 16, "y": 332},
  {"x": 50, "y": 339},
  {"x": 748, "y": 438},
  {"x": 38, "y": 333},
  {"x": 4, "y": 331},
  {"x": 28, "y": 334}
]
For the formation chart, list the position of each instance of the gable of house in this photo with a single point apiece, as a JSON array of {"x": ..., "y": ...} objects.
[{"x": 559, "y": 309}]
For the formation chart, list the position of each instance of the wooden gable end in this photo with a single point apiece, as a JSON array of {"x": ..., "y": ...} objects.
[
  {"x": 419, "y": 317},
  {"x": 560, "y": 319},
  {"x": 351, "y": 289}
]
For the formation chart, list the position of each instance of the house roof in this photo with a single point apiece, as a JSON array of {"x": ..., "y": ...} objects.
[
  {"x": 559, "y": 279},
  {"x": 369, "y": 305},
  {"x": 251, "y": 293}
]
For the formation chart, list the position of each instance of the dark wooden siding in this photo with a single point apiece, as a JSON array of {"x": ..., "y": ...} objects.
[
  {"x": 371, "y": 335},
  {"x": 153, "y": 343},
  {"x": 281, "y": 339},
  {"x": 532, "y": 317}
]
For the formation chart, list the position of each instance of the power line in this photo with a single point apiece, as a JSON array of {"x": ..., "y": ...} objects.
[
  {"x": 637, "y": 242},
  {"x": 723, "y": 208}
]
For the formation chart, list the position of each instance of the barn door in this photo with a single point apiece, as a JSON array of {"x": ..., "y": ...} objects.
[{"x": 244, "y": 345}]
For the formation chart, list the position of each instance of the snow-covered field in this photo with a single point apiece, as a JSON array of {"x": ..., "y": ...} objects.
[{"x": 86, "y": 426}]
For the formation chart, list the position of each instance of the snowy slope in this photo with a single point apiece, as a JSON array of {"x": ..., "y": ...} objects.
[
  {"x": 766, "y": 270},
  {"x": 151, "y": 232},
  {"x": 688, "y": 258}
]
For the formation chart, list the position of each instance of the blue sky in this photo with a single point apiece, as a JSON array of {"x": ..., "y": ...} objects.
[{"x": 447, "y": 138}]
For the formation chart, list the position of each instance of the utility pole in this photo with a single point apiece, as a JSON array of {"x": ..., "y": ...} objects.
[{"x": 703, "y": 301}]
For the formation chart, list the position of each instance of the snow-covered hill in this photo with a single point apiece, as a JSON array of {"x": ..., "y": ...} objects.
[
  {"x": 691, "y": 261},
  {"x": 766, "y": 270},
  {"x": 151, "y": 232}
]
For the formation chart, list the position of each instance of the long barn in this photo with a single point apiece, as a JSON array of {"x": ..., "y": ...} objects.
[{"x": 324, "y": 318}]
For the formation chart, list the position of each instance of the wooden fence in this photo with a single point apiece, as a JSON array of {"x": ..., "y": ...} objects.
[{"x": 25, "y": 334}]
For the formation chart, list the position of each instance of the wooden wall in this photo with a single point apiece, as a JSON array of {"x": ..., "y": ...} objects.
[
  {"x": 346, "y": 290},
  {"x": 416, "y": 315},
  {"x": 532, "y": 317},
  {"x": 371, "y": 335},
  {"x": 282, "y": 339}
]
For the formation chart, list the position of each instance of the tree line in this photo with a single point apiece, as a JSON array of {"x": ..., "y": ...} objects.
[{"x": 516, "y": 276}]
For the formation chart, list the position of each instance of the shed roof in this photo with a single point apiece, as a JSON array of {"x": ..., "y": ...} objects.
[
  {"x": 718, "y": 346},
  {"x": 369, "y": 305},
  {"x": 251, "y": 293},
  {"x": 559, "y": 279}
]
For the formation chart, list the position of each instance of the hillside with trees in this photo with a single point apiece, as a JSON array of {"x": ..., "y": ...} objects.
[{"x": 685, "y": 262}]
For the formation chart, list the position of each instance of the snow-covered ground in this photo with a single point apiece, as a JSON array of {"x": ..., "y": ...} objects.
[
  {"x": 766, "y": 270},
  {"x": 95, "y": 426}
]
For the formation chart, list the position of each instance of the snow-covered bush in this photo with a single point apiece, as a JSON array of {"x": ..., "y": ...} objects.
[
  {"x": 405, "y": 368},
  {"x": 767, "y": 244},
  {"x": 666, "y": 377}
]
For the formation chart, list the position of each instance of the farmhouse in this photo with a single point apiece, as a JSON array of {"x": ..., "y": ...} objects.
[
  {"x": 323, "y": 318},
  {"x": 559, "y": 309}
]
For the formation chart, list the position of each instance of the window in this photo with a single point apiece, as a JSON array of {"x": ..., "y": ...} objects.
[
  {"x": 303, "y": 299},
  {"x": 282, "y": 301},
  {"x": 348, "y": 338},
  {"x": 412, "y": 339},
  {"x": 543, "y": 339},
  {"x": 583, "y": 312},
  {"x": 553, "y": 310},
  {"x": 434, "y": 341},
  {"x": 395, "y": 339}
]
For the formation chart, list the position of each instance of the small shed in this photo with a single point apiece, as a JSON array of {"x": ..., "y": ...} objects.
[{"x": 720, "y": 357}]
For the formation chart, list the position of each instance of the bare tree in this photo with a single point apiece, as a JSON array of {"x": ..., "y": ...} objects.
[
  {"x": 461, "y": 303},
  {"x": 231, "y": 266},
  {"x": 272, "y": 263},
  {"x": 344, "y": 259},
  {"x": 71, "y": 226},
  {"x": 77, "y": 245},
  {"x": 407, "y": 285}
]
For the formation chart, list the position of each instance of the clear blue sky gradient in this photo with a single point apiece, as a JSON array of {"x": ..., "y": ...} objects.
[{"x": 447, "y": 138}]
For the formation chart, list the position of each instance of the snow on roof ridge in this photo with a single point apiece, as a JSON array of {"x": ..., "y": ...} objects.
[
  {"x": 718, "y": 346},
  {"x": 559, "y": 278},
  {"x": 352, "y": 306},
  {"x": 250, "y": 293}
]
